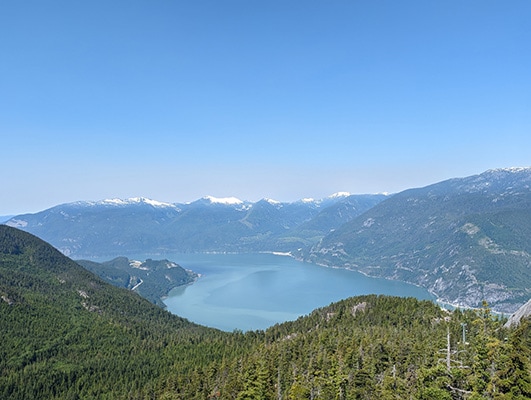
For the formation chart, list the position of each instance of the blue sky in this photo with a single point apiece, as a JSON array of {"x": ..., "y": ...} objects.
[{"x": 174, "y": 100}]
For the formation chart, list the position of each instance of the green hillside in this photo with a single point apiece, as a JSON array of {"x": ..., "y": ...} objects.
[
  {"x": 67, "y": 334},
  {"x": 152, "y": 279}
]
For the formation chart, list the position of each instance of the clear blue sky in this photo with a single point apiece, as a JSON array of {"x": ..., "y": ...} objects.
[{"x": 174, "y": 100}]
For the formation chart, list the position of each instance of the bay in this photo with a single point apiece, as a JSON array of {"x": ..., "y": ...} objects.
[{"x": 255, "y": 291}]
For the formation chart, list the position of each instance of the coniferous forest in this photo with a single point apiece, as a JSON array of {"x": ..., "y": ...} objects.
[{"x": 67, "y": 334}]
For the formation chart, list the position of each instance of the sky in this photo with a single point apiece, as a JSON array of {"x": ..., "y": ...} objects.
[{"x": 174, "y": 100}]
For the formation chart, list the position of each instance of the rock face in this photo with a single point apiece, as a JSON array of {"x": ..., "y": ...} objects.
[
  {"x": 466, "y": 240},
  {"x": 522, "y": 312}
]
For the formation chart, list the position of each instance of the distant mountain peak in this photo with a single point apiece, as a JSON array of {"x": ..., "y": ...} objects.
[
  {"x": 133, "y": 200},
  {"x": 510, "y": 169},
  {"x": 502, "y": 173},
  {"x": 273, "y": 202},
  {"x": 223, "y": 200},
  {"x": 339, "y": 195}
]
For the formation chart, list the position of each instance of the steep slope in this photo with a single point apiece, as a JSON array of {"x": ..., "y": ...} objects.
[
  {"x": 152, "y": 279},
  {"x": 378, "y": 347},
  {"x": 466, "y": 239},
  {"x": 65, "y": 333},
  {"x": 328, "y": 219},
  {"x": 114, "y": 226},
  {"x": 142, "y": 226}
]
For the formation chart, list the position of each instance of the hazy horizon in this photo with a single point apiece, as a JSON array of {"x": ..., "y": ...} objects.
[{"x": 173, "y": 101}]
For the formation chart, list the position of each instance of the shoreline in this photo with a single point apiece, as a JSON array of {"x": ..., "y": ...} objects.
[{"x": 443, "y": 303}]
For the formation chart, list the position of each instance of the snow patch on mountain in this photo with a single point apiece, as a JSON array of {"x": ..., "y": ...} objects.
[
  {"x": 510, "y": 169},
  {"x": 138, "y": 265},
  {"x": 339, "y": 195},
  {"x": 125, "y": 202},
  {"x": 273, "y": 202},
  {"x": 151, "y": 202},
  {"x": 223, "y": 200},
  {"x": 17, "y": 223},
  {"x": 138, "y": 200},
  {"x": 116, "y": 202}
]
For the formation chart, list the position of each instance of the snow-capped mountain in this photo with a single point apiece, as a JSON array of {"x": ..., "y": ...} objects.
[
  {"x": 464, "y": 239},
  {"x": 140, "y": 225},
  {"x": 223, "y": 200},
  {"x": 126, "y": 202}
]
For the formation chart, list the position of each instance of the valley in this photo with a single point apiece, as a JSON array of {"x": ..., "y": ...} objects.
[
  {"x": 265, "y": 200},
  {"x": 67, "y": 334},
  {"x": 256, "y": 291},
  {"x": 464, "y": 240}
]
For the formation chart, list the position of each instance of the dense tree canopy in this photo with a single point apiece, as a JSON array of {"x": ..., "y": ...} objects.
[{"x": 66, "y": 334}]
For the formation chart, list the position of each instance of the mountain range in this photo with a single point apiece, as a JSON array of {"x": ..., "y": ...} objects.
[
  {"x": 465, "y": 239},
  {"x": 118, "y": 227}
]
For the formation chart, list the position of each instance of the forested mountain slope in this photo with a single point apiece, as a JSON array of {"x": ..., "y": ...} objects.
[
  {"x": 141, "y": 226},
  {"x": 66, "y": 334},
  {"x": 152, "y": 279},
  {"x": 465, "y": 239}
]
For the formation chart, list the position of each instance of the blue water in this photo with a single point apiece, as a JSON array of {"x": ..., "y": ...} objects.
[{"x": 256, "y": 291}]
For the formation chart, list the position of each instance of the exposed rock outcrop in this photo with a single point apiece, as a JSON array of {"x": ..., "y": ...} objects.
[{"x": 522, "y": 312}]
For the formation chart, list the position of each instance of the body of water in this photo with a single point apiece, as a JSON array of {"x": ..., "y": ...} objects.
[{"x": 256, "y": 291}]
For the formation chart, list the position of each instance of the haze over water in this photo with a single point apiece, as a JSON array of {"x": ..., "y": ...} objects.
[{"x": 256, "y": 291}]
